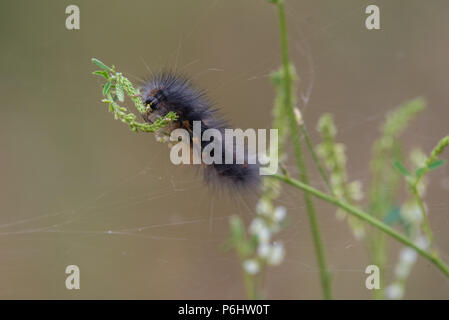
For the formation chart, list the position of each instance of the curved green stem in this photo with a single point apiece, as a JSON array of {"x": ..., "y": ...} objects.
[
  {"x": 288, "y": 105},
  {"x": 369, "y": 219}
]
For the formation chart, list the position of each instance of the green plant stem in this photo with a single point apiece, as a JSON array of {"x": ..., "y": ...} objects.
[
  {"x": 425, "y": 222},
  {"x": 315, "y": 158},
  {"x": 319, "y": 249},
  {"x": 413, "y": 184},
  {"x": 250, "y": 287},
  {"x": 369, "y": 219},
  {"x": 379, "y": 257}
]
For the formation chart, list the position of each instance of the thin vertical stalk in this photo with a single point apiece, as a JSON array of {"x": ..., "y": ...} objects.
[
  {"x": 288, "y": 104},
  {"x": 425, "y": 222}
]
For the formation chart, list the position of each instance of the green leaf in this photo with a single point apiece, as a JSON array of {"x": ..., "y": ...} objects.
[
  {"x": 420, "y": 172},
  {"x": 101, "y": 64},
  {"x": 400, "y": 167},
  {"x": 436, "y": 164},
  {"x": 106, "y": 88},
  {"x": 101, "y": 73}
]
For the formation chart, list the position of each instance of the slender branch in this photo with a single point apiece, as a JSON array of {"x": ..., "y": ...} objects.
[
  {"x": 413, "y": 183},
  {"x": 369, "y": 219},
  {"x": 425, "y": 222},
  {"x": 315, "y": 158},
  {"x": 288, "y": 104},
  {"x": 250, "y": 287}
]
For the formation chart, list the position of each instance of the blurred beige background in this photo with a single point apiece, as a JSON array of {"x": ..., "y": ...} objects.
[{"x": 79, "y": 188}]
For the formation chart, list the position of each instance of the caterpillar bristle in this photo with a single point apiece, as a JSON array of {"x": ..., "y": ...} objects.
[{"x": 169, "y": 91}]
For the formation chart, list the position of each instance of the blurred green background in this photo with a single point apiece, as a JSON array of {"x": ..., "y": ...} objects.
[{"x": 79, "y": 188}]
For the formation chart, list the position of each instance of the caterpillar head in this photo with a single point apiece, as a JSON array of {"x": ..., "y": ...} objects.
[{"x": 155, "y": 98}]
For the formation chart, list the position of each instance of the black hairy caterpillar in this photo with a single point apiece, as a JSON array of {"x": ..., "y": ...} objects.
[{"x": 168, "y": 91}]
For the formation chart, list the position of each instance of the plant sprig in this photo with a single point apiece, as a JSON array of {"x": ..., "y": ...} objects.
[
  {"x": 413, "y": 181},
  {"x": 114, "y": 90}
]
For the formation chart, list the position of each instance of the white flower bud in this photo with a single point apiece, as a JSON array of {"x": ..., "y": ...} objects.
[
  {"x": 276, "y": 254},
  {"x": 256, "y": 225},
  {"x": 264, "y": 235},
  {"x": 298, "y": 116},
  {"x": 259, "y": 229},
  {"x": 263, "y": 208},
  {"x": 251, "y": 266},
  {"x": 408, "y": 255},
  {"x": 394, "y": 291},
  {"x": 264, "y": 250},
  {"x": 279, "y": 214}
]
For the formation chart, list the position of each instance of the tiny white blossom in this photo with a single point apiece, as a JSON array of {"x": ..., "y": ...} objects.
[
  {"x": 298, "y": 116},
  {"x": 256, "y": 225},
  {"x": 251, "y": 266},
  {"x": 402, "y": 270},
  {"x": 394, "y": 291},
  {"x": 264, "y": 235},
  {"x": 263, "y": 208},
  {"x": 279, "y": 214},
  {"x": 259, "y": 228},
  {"x": 264, "y": 250},
  {"x": 412, "y": 213},
  {"x": 276, "y": 254},
  {"x": 161, "y": 138},
  {"x": 408, "y": 255}
]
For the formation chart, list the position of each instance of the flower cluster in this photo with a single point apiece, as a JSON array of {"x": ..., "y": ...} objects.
[
  {"x": 263, "y": 227},
  {"x": 334, "y": 158},
  {"x": 114, "y": 90},
  {"x": 411, "y": 217},
  {"x": 406, "y": 261},
  {"x": 256, "y": 247}
]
